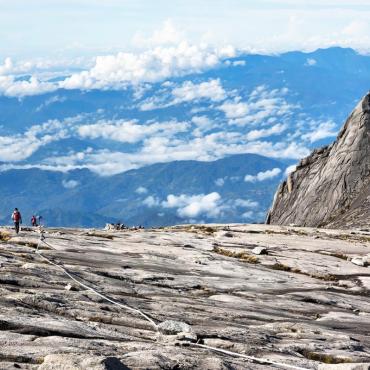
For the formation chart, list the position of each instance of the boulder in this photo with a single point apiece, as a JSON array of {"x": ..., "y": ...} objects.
[{"x": 172, "y": 327}]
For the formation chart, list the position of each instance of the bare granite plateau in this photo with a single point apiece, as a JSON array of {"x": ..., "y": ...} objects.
[{"x": 273, "y": 296}]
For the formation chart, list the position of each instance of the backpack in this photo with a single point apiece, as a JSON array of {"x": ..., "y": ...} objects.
[{"x": 16, "y": 216}]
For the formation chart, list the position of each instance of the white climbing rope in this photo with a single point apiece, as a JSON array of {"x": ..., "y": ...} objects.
[{"x": 121, "y": 305}]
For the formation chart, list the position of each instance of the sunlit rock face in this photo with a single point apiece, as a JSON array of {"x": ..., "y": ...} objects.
[
  {"x": 304, "y": 301},
  {"x": 331, "y": 186}
]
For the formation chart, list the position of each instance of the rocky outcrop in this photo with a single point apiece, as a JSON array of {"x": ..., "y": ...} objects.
[
  {"x": 331, "y": 186},
  {"x": 304, "y": 303}
]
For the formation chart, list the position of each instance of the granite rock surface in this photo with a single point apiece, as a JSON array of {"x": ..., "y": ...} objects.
[
  {"x": 303, "y": 304},
  {"x": 330, "y": 188}
]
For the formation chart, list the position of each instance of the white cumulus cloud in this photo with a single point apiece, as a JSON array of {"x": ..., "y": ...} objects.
[
  {"x": 203, "y": 124},
  {"x": 156, "y": 64},
  {"x": 310, "y": 62},
  {"x": 195, "y": 205},
  {"x": 234, "y": 109},
  {"x": 189, "y": 91},
  {"x": 151, "y": 201},
  {"x": 19, "y": 147},
  {"x": 220, "y": 182},
  {"x": 70, "y": 184},
  {"x": 262, "y": 176},
  {"x": 130, "y": 131},
  {"x": 262, "y": 106},
  {"x": 322, "y": 131},
  {"x": 274, "y": 130},
  {"x": 245, "y": 203},
  {"x": 141, "y": 190},
  {"x": 11, "y": 87}
]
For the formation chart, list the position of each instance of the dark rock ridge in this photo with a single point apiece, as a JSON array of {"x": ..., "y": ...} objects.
[{"x": 331, "y": 186}]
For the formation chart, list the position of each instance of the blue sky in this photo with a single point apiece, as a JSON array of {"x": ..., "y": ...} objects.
[
  {"x": 52, "y": 47},
  {"x": 40, "y": 28},
  {"x": 155, "y": 53}
]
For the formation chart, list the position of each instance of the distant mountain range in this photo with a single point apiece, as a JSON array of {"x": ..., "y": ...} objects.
[
  {"x": 177, "y": 150},
  {"x": 143, "y": 196}
]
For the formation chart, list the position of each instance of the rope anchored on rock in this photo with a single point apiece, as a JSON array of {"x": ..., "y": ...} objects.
[
  {"x": 64, "y": 270},
  {"x": 151, "y": 321}
]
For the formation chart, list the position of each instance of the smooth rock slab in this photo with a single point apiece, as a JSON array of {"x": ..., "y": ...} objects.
[
  {"x": 78, "y": 362},
  {"x": 344, "y": 367},
  {"x": 303, "y": 297}
]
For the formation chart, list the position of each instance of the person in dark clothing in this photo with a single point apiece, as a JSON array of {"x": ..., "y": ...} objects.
[
  {"x": 17, "y": 219},
  {"x": 33, "y": 221}
]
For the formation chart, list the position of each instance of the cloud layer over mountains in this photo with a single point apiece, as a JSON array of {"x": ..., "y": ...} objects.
[
  {"x": 174, "y": 101},
  {"x": 218, "y": 123},
  {"x": 179, "y": 101}
]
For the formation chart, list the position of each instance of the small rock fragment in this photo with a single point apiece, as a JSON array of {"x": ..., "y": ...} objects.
[
  {"x": 172, "y": 327},
  {"x": 259, "y": 250},
  {"x": 70, "y": 287},
  {"x": 359, "y": 261},
  {"x": 189, "y": 337}
]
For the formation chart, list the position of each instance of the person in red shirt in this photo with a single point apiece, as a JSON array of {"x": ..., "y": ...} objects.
[{"x": 17, "y": 219}]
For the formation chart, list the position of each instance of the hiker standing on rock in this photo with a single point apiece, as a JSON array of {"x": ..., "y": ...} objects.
[
  {"x": 17, "y": 219},
  {"x": 33, "y": 221}
]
